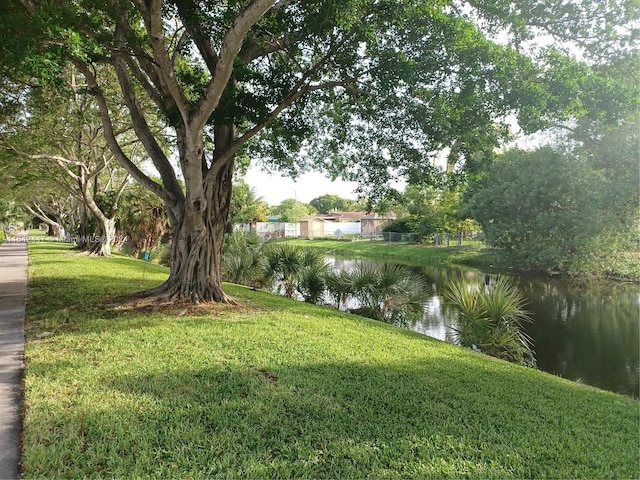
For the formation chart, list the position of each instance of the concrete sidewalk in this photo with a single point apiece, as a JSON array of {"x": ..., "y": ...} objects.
[{"x": 13, "y": 290}]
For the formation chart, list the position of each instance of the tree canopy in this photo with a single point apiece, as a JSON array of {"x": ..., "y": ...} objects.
[
  {"x": 246, "y": 206},
  {"x": 334, "y": 203},
  {"x": 364, "y": 89},
  {"x": 57, "y": 137},
  {"x": 561, "y": 211},
  {"x": 291, "y": 210}
]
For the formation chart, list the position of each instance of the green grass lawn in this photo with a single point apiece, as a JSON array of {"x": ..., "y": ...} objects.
[
  {"x": 470, "y": 253},
  {"x": 274, "y": 388}
]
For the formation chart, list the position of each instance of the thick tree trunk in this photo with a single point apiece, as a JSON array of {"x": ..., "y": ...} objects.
[
  {"x": 196, "y": 250},
  {"x": 82, "y": 241},
  {"x": 54, "y": 230},
  {"x": 107, "y": 233},
  {"x": 198, "y": 236}
]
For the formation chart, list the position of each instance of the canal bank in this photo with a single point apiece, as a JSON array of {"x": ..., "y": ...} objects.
[{"x": 585, "y": 331}]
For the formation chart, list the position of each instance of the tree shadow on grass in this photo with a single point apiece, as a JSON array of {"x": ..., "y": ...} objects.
[
  {"x": 92, "y": 303},
  {"x": 81, "y": 291},
  {"x": 439, "y": 417}
]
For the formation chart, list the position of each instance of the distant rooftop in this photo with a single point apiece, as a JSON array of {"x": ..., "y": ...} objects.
[
  {"x": 344, "y": 215},
  {"x": 377, "y": 216}
]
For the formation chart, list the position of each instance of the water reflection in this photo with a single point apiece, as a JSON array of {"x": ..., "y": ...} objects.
[{"x": 585, "y": 331}]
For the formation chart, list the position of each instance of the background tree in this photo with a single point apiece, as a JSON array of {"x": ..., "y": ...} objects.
[
  {"x": 368, "y": 89},
  {"x": 334, "y": 203},
  {"x": 11, "y": 214},
  {"x": 291, "y": 210},
  {"x": 554, "y": 211},
  {"x": 433, "y": 209},
  {"x": 59, "y": 213},
  {"x": 40, "y": 195},
  {"x": 58, "y": 134},
  {"x": 246, "y": 206}
]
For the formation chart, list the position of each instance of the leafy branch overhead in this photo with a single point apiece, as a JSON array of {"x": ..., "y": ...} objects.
[{"x": 363, "y": 89}]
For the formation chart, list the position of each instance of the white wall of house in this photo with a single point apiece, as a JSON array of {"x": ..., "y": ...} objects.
[
  {"x": 277, "y": 229},
  {"x": 273, "y": 230},
  {"x": 346, "y": 228}
]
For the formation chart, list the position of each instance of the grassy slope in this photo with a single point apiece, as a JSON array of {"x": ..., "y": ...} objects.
[
  {"x": 471, "y": 253},
  {"x": 276, "y": 388}
]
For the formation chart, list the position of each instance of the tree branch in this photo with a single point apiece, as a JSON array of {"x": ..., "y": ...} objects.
[
  {"x": 257, "y": 51},
  {"x": 199, "y": 37},
  {"x": 231, "y": 44},
  {"x": 144, "y": 69},
  {"x": 40, "y": 214},
  {"x": 297, "y": 91},
  {"x": 116, "y": 198},
  {"x": 29, "y": 6},
  {"x": 61, "y": 161},
  {"x": 112, "y": 141},
  {"x": 152, "y": 14}
]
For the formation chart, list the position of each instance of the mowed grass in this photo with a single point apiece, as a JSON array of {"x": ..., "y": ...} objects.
[
  {"x": 470, "y": 253},
  {"x": 273, "y": 388}
]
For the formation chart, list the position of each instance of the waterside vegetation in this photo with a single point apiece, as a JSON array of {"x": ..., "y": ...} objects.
[
  {"x": 471, "y": 252},
  {"x": 490, "y": 319},
  {"x": 274, "y": 387}
]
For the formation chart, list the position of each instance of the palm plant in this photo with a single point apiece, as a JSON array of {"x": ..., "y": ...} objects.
[
  {"x": 392, "y": 294},
  {"x": 242, "y": 259},
  {"x": 284, "y": 265},
  {"x": 312, "y": 283},
  {"x": 490, "y": 318},
  {"x": 297, "y": 269},
  {"x": 340, "y": 287},
  {"x": 142, "y": 219}
]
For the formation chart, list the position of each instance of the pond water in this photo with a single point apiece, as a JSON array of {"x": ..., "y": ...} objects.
[{"x": 586, "y": 331}]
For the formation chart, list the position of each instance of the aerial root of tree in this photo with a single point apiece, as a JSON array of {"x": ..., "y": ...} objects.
[{"x": 170, "y": 293}]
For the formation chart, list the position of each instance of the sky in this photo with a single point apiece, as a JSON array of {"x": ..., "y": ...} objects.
[{"x": 274, "y": 188}]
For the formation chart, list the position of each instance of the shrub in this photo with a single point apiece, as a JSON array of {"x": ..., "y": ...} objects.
[
  {"x": 490, "y": 319},
  {"x": 392, "y": 294},
  {"x": 296, "y": 270},
  {"x": 242, "y": 259}
]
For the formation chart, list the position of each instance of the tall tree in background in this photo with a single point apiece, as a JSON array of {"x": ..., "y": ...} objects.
[
  {"x": 291, "y": 210},
  {"x": 59, "y": 134},
  {"x": 366, "y": 89},
  {"x": 10, "y": 214},
  {"x": 246, "y": 206},
  {"x": 556, "y": 211},
  {"x": 333, "y": 203}
]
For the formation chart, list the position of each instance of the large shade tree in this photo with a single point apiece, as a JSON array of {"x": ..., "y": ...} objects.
[{"x": 364, "y": 88}]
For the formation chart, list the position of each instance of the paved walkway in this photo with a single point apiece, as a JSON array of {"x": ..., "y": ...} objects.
[{"x": 13, "y": 289}]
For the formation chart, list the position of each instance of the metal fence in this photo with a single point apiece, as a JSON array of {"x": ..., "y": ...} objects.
[{"x": 437, "y": 238}]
